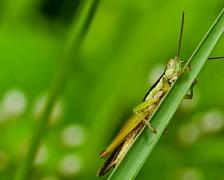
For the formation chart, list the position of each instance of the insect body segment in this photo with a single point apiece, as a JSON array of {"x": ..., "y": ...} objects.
[
  {"x": 139, "y": 119},
  {"x": 127, "y": 143},
  {"x": 141, "y": 114},
  {"x": 143, "y": 111},
  {"x": 120, "y": 151},
  {"x": 130, "y": 124},
  {"x": 173, "y": 70}
]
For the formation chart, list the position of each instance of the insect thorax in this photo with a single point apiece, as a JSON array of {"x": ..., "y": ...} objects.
[{"x": 154, "y": 92}]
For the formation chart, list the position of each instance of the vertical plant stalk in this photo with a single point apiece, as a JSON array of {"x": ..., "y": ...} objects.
[
  {"x": 77, "y": 33},
  {"x": 146, "y": 141}
]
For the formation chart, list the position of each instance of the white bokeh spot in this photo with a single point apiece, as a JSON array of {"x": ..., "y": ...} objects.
[
  {"x": 212, "y": 121},
  {"x": 42, "y": 155},
  {"x": 73, "y": 135},
  {"x": 191, "y": 173},
  {"x": 189, "y": 133},
  {"x": 14, "y": 102},
  {"x": 70, "y": 165}
]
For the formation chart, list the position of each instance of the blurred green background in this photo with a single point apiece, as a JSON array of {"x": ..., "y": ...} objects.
[{"x": 125, "y": 51}]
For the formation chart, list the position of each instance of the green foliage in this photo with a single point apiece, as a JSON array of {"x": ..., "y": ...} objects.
[
  {"x": 81, "y": 23},
  {"x": 127, "y": 44}
]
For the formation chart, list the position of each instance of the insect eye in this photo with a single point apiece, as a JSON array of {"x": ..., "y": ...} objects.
[
  {"x": 169, "y": 65},
  {"x": 171, "y": 80}
]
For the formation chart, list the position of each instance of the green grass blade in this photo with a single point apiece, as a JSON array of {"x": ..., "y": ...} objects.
[
  {"x": 144, "y": 144},
  {"x": 76, "y": 36}
]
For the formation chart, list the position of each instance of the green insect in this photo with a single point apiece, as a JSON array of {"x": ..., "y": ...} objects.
[{"x": 142, "y": 113}]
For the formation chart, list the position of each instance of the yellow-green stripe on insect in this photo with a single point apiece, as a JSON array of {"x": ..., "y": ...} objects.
[{"x": 119, "y": 146}]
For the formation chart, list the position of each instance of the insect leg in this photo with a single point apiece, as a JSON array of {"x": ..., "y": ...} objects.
[
  {"x": 188, "y": 68},
  {"x": 190, "y": 96},
  {"x": 108, "y": 163},
  {"x": 126, "y": 145},
  {"x": 165, "y": 131},
  {"x": 183, "y": 62},
  {"x": 150, "y": 126},
  {"x": 144, "y": 105},
  {"x": 146, "y": 122},
  {"x": 148, "y": 106}
]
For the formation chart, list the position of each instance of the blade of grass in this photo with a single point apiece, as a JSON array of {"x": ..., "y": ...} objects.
[
  {"x": 79, "y": 27},
  {"x": 146, "y": 141}
]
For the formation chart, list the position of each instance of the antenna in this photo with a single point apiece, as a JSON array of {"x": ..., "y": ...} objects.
[
  {"x": 181, "y": 34},
  {"x": 212, "y": 58}
]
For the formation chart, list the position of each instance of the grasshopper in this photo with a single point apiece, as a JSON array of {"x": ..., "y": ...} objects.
[{"x": 142, "y": 113}]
